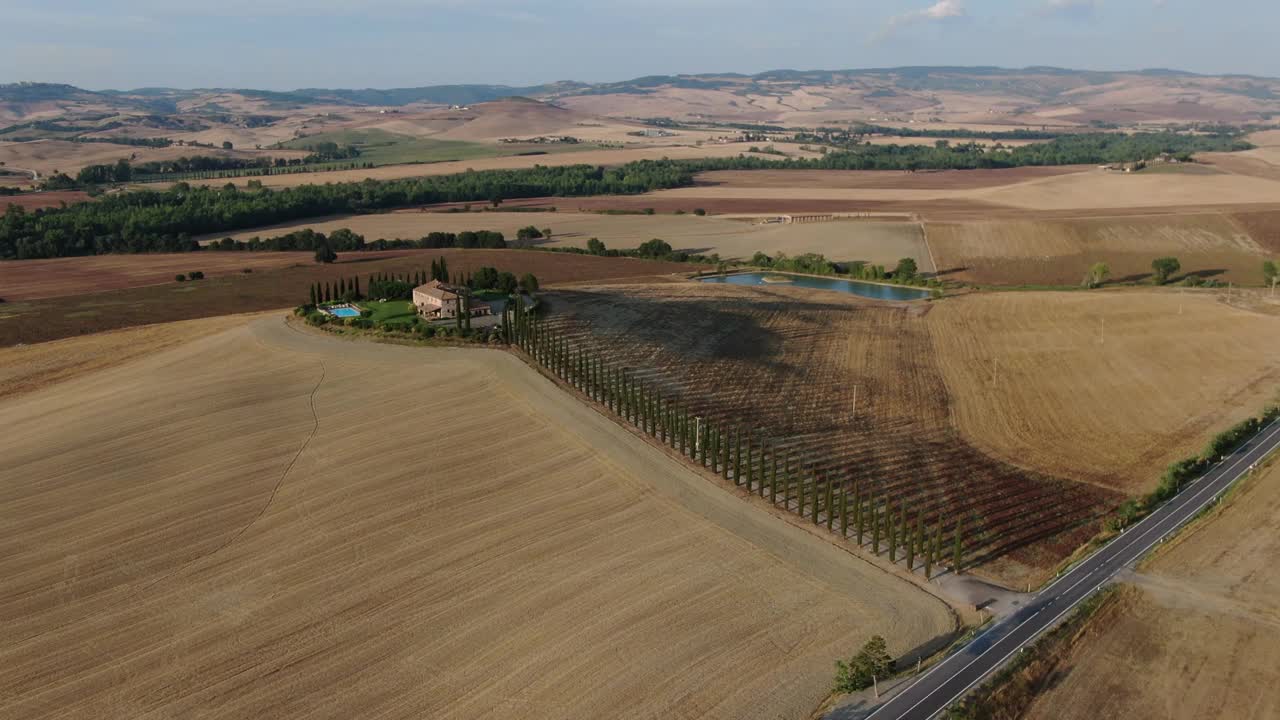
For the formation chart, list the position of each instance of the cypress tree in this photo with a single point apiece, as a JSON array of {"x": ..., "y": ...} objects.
[
  {"x": 313, "y": 295},
  {"x": 762, "y": 475},
  {"x": 356, "y": 280},
  {"x": 722, "y": 439},
  {"x": 860, "y": 519},
  {"x": 817, "y": 498},
  {"x": 913, "y": 538},
  {"x": 875, "y": 529},
  {"x": 928, "y": 557},
  {"x": 737, "y": 455},
  {"x": 830, "y": 505},
  {"x": 893, "y": 535},
  {"x": 800, "y": 483},
  {"x": 773, "y": 480},
  {"x": 786, "y": 483},
  {"x": 844, "y": 511},
  {"x": 957, "y": 553},
  {"x": 326, "y": 292},
  {"x": 749, "y": 467}
]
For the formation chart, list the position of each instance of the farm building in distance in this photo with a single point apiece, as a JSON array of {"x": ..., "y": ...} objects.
[{"x": 441, "y": 300}]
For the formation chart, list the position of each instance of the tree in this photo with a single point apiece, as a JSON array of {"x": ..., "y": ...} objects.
[
  {"x": 957, "y": 552},
  {"x": 226, "y": 145},
  {"x": 325, "y": 254},
  {"x": 529, "y": 282},
  {"x": 699, "y": 212},
  {"x": 1164, "y": 267},
  {"x": 1098, "y": 274},
  {"x": 1270, "y": 271},
  {"x": 595, "y": 247},
  {"x": 180, "y": 278},
  {"x": 905, "y": 270},
  {"x": 655, "y": 248},
  {"x": 871, "y": 663}
]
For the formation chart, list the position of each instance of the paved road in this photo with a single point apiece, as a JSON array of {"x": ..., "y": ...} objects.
[{"x": 959, "y": 673}]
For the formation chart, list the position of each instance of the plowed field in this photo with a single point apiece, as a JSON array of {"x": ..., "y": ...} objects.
[
  {"x": 266, "y": 523},
  {"x": 1106, "y": 387},
  {"x": 854, "y": 386}
]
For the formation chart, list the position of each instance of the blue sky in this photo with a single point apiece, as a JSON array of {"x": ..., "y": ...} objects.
[{"x": 285, "y": 44}]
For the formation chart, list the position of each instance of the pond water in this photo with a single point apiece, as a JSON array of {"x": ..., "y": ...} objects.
[{"x": 853, "y": 287}]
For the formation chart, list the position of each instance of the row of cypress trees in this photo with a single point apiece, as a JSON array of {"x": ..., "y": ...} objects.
[
  {"x": 331, "y": 291},
  {"x": 323, "y": 292},
  {"x": 790, "y": 479}
]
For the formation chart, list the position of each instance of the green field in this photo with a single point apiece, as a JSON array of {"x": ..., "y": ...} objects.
[
  {"x": 393, "y": 311},
  {"x": 387, "y": 148}
]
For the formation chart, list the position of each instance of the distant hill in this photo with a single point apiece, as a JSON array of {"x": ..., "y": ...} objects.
[{"x": 938, "y": 94}]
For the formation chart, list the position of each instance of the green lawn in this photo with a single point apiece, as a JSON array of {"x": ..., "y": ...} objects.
[
  {"x": 387, "y": 148},
  {"x": 394, "y": 311}
]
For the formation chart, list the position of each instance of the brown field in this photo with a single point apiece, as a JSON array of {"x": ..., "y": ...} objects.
[
  {"x": 1034, "y": 381},
  {"x": 38, "y": 200},
  {"x": 25, "y": 368},
  {"x": 331, "y": 547},
  {"x": 1100, "y": 189},
  {"x": 56, "y": 277},
  {"x": 583, "y": 157},
  {"x": 1263, "y": 227},
  {"x": 1196, "y": 634},
  {"x": 51, "y": 156},
  {"x": 855, "y": 386},
  {"x": 875, "y": 241},
  {"x": 890, "y": 179},
  {"x": 1058, "y": 252},
  {"x": 32, "y": 321}
]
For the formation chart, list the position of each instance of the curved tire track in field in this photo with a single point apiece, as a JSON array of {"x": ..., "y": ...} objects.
[{"x": 315, "y": 428}]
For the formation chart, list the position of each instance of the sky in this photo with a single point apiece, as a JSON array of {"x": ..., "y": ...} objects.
[{"x": 288, "y": 44}]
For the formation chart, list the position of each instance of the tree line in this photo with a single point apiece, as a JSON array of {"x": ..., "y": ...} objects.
[
  {"x": 150, "y": 221},
  {"x": 1083, "y": 149},
  {"x": 746, "y": 455},
  {"x": 163, "y": 221}
]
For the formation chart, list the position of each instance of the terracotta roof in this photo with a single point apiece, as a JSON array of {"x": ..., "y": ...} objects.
[{"x": 438, "y": 290}]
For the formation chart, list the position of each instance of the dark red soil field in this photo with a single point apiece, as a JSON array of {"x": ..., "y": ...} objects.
[
  {"x": 853, "y": 386},
  {"x": 35, "y": 201},
  {"x": 33, "y": 321}
]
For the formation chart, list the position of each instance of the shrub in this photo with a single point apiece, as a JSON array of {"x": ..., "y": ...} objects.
[
  {"x": 426, "y": 331},
  {"x": 872, "y": 661},
  {"x": 196, "y": 275},
  {"x": 304, "y": 310},
  {"x": 246, "y": 271},
  {"x": 180, "y": 278},
  {"x": 699, "y": 212},
  {"x": 317, "y": 319}
]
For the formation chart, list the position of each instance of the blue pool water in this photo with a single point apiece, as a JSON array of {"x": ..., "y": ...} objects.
[
  {"x": 853, "y": 287},
  {"x": 345, "y": 312}
]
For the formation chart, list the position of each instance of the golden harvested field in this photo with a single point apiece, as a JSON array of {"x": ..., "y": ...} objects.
[
  {"x": 1099, "y": 189},
  {"x": 1059, "y": 252},
  {"x": 923, "y": 180},
  {"x": 50, "y": 156},
  {"x": 1196, "y": 636},
  {"x": 583, "y": 157},
  {"x": 1034, "y": 381},
  {"x": 878, "y": 242},
  {"x": 272, "y": 523},
  {"x": 24, "y": 368},
  {"x": 849, "y": 386}
]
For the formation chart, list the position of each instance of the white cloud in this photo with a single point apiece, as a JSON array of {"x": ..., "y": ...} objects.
[{"x": 940, "y": 11}]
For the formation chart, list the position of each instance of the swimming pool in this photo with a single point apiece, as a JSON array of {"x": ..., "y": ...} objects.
[
  {"x": 344, "y": 312},
  {"x": 853, "y": 287}
]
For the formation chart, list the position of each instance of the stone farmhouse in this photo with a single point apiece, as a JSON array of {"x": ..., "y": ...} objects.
[{"x": 441, "y": 300}]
